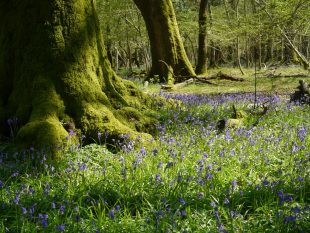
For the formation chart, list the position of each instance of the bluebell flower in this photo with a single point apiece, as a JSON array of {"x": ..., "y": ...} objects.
[
  {"x": 44, "y": 223},
  {"x": 142, "y": 151},
  {"x": 111, "y": 214},
  {"x": 212, "y": 204},
  {"x": 200, "y": 195},
  {"x": 301, "y": 179},
  {"x": 217, "y": 216},
  {"x": 24, "y": 210},
  {"x": 15, "y": 174},
  {"x": 290, "y": 218},
  {"x": 284, "y": 197},
  {"x": 226, "y": 201},
  {"x": 233, "y": 214},
  {"x": 106, "y": 134},
  {"x": 182, "y": 201},
  {"x": 82, "y": 166},
  {"x": 16, "y": 199},
  {"x": 265, "y": 182},
  {"x": 183, "y": 213},
  {"x": 77, "y": 218},
  {"x": 60, "y": 227},
  {"x": 296, "y": 209},
  {"x": 99, "y": 136},
  {"x": 62, "y": 209},
  {"x": 1, "y": 184},
  {"x": 155, "y": 152},
  {"x": 157, "y": 178},
  {"x": 233, "y": 185},
  {"x": 208, "y": 176}
]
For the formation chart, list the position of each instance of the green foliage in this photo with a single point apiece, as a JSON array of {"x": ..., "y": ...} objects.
[{"x": 192, "y": 178}]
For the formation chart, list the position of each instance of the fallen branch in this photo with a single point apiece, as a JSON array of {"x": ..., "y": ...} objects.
[
  {"x": 270, "y": 75},
  {"x": 221, "y": 75},
  {"x": 178, "y": 85}
]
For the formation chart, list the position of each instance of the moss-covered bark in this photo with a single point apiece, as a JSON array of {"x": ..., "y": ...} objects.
[
  {"x": 168, "y": 53},
  {"x": 54, "y": 72}
]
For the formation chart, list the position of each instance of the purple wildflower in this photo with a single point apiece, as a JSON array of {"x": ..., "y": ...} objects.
[
  {"x": 77, "y": 218},
  {"x": 15, "y": 174},
  {"x": 233, "y": 185},
  {"x": 157, "y": 178},
  {"x": 16, "y": 199},
  {"x": 82, "y": 166},
  {"x": 209, "y": 176},
  {"x": 183, "y": 213},
  {"x": 212, "y": 204},
  {"x": 117, "y": 208},
  {"x": 43, "y": 218},
  {"x": 290, "y": 218},
  {"x": 111, "y": 214},
  {"x": 62, "y": 209},
  {"x": 296, "y": 210},
  {"x": 60, "y": 227},
  {"x": 24, "y": 210},
  {"x": 265, "y": 182},
  {"x": 226, "y": 201},
  {"x": 106, "y": 134},
  {"x": 44, "y": 223},
  {"x": 182, "y": 201},
  {"x": 99, "y": 136}
]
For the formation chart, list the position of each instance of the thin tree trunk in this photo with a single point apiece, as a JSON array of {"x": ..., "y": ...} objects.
[{"x": 202, "y": 45}]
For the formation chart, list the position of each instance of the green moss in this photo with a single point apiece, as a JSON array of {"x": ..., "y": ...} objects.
[
  {"x": 42, "y": 133},
  {"x": 136, "y": 120},
  {"x": 166, "y": 45},
  {"x": 63, "y": 76}
]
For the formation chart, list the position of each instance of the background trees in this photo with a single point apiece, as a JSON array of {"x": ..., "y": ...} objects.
[{"x": 239, "y": 32}]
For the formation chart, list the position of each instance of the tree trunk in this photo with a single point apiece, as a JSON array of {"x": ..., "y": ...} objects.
[
  {"x": 167, "y": 49},
  {"x": 202, "y": 46},
  {"x": 54, "y": 72}
]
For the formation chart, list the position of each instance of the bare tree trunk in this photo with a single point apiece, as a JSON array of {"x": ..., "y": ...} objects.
[{"x": 202, "y": 45}]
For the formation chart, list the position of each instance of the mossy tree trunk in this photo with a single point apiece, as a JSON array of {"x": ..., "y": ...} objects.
[
  {"x": 54, "y": 71},
  {"x": 168, "y": 53},
  {"x": 201, "y": 67}
]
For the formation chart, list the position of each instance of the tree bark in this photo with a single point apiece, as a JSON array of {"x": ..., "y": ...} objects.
[
  {"x": 54, "y": 71},
  {"x": 202, "y": 45},
  {"x": 165, "y": 40}
]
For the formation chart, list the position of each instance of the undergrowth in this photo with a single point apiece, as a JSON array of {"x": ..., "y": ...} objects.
[{"x": 193, "y": 177}]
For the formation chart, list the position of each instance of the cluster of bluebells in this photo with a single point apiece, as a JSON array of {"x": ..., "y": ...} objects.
[{"x": 190, "y": 166}]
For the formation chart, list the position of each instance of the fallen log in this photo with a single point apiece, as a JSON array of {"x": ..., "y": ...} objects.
[
  {"x": 178, "y": 85},
  {"x": 271, "y": 75},
  {"x": 202, "y": 79}
]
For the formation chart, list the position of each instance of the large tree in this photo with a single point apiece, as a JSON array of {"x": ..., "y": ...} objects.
[
  {"x": 55, "y": 76},
  {"x": 169, "y": 59}
]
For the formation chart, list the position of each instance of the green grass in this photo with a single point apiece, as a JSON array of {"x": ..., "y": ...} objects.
[
  {"x": 191, "y": 178},
  {"x": 264, "y": 84}
]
